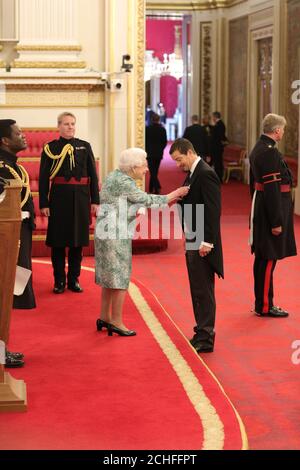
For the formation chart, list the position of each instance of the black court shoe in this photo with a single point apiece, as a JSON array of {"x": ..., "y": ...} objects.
[
  {"x": 114, "y": 329},
  {"x": 102, "y": 324}
]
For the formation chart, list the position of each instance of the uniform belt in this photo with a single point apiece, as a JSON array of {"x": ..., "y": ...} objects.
[
  {"x": 284, "y": 188},
  {"x": 61, "y": 180}
]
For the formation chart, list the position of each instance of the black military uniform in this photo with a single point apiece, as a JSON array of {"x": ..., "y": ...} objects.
[
  {"x": 10, "y": 169},
  {"x": 270, "y": 182},
  {"x": 70, "y": 165}
]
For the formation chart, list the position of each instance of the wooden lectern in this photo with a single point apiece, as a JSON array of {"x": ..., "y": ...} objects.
[{"x": 12, "y": 391}]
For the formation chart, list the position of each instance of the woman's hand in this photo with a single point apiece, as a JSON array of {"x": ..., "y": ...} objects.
[
  {"x": 178, "y": 193},
  {"x": 45, "y": 211}
]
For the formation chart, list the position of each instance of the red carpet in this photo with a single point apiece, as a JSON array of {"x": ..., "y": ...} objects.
[
  {"x": 89, "y": 391},
  {"x": 253, "y": 356}
]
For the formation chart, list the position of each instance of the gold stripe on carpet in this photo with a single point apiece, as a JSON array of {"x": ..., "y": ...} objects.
[{"x": 212, "y": 425}]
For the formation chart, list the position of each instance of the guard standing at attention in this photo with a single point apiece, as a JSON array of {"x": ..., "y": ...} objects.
[
  {"x": 272, "y": 223},
  {"x": 69, "y": 165}
]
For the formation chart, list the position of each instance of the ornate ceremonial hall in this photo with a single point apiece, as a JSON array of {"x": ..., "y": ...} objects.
[{"x": 110, "y": 63}]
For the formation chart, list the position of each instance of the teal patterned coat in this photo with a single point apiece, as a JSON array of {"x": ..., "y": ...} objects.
[{"x": 120, "y": 199}]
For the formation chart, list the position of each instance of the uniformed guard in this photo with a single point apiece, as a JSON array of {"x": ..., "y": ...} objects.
[
  {"x": 12, "y": 141},
  {"x": 272, "y": 224},
  {"x": 68, "y": 169}
]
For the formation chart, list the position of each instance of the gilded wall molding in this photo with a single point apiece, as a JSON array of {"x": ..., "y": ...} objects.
[
  {"x": 205, "y": 68},
  {"x": 196, "y": 5},
  {"x": 45, "y": 47},
  {"x": 140, "y": 85},
  {"x": 262, "y": 33},
  {"x": 2, "y": 64},
  {"x": 49, "y": 65},
  {"x": 52, "y": 99},
  {"x": 54, "y": 86}
]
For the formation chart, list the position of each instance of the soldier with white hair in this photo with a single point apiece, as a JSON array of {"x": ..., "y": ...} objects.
[{"x": 272, "y": 225}]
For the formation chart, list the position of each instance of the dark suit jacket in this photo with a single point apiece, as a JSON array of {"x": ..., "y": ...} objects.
[
  {"x": 196, "y": 135},
  {"x": 156, "y": 140},
  {"x": 218, "y": 136},
  {"x": 205, "y": 189}
]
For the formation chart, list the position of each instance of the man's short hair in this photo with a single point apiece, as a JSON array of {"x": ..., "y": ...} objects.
[
  {"x": 271, "y": 122},
  {"x": 6, "y": 127},
  {"x": 62, "y": 115},
  {"x": 182, "y": 145},
  {"x": 195, "y": 117},
  {"x": 155, "y": 118},
  {"x": 217, "y": 114}
]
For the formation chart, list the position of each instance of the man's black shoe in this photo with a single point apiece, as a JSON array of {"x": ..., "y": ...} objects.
[
  {"x": 59, "y": 288},
  {"x": 15, "y": 355},
  {"x": 200, "y": 346},
  {"x": 12, "y": 362},
  {"x": 75, "y": 287},
  {"x": 275, "y": 312}
]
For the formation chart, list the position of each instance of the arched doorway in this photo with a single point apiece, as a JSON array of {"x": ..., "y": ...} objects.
[{"x": 168, "y": 70}]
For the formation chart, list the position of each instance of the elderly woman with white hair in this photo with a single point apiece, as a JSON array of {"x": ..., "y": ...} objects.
[{"x": 120, "y": 199}]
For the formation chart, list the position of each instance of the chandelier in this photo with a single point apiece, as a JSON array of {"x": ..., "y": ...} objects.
[{"x": 172, "y": 64}]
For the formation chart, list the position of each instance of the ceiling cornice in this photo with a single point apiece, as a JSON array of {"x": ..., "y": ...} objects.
[{"x": 194, "y": 5}]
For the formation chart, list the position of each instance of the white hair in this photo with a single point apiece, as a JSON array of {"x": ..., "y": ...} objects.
[
  {"x": 131, "y": 158},
  {"x": 271, "y": 122}
]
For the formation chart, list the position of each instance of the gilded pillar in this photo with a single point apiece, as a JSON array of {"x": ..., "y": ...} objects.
[{"x": 124, "y": 110}]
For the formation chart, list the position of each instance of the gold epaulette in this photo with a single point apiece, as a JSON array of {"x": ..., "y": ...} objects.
[
  {"x": 58, "y": 160},
  {"x": 23, "y": 179}
]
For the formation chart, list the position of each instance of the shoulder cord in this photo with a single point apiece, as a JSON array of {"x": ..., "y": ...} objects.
[
  {"x": 58, "y": 160},
  {"x": 23, "y": 179}
]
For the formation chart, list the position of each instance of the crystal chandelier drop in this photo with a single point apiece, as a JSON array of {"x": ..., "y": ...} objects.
[{"x": 172, "y": 64}]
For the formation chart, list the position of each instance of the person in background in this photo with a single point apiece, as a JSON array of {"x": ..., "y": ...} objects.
[
  {"x": 156, "y": 141},
  {"x": 13, "y": 141},
  {"x": 114, "y": 233},
  {"x": 218, "y": 141},
  {"x": 149, "y": 114},
  {"x": 207, "y": 131},
  {"x": 69, "y": 164},
  {"x": 272, "y": 216},
  {"x": 195, "y": 134},
  {"x": 162, "y": 113}
]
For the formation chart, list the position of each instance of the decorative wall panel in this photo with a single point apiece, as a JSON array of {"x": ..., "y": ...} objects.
[
  {"x": 205, "y": 69},
  {"x": 237, "y": 99},
  {"x": 293, "y": 73}
]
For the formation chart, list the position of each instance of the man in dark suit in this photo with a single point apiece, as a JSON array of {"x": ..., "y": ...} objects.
[
  {"x": 156, "y": 141},
  {"x": 69, "y": 164},
  {"x": 218, "y": 141},
  {"x": 204, "y": 256},
  {"x": 272, "y": 218},
  {"x": 196, "y": 135}
]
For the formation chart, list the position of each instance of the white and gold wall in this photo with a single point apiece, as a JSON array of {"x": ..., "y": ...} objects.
[
  {"x": 58, "y": 51},
  {"x": 58, "y": 55}
]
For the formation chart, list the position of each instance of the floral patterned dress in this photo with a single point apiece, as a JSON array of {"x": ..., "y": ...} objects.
[{"x": 120, "y": 199}]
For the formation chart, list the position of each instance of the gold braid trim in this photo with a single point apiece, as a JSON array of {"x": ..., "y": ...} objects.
[
  {"x": 58, "y": 160},
  {"x": 23, "y": 180}
]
